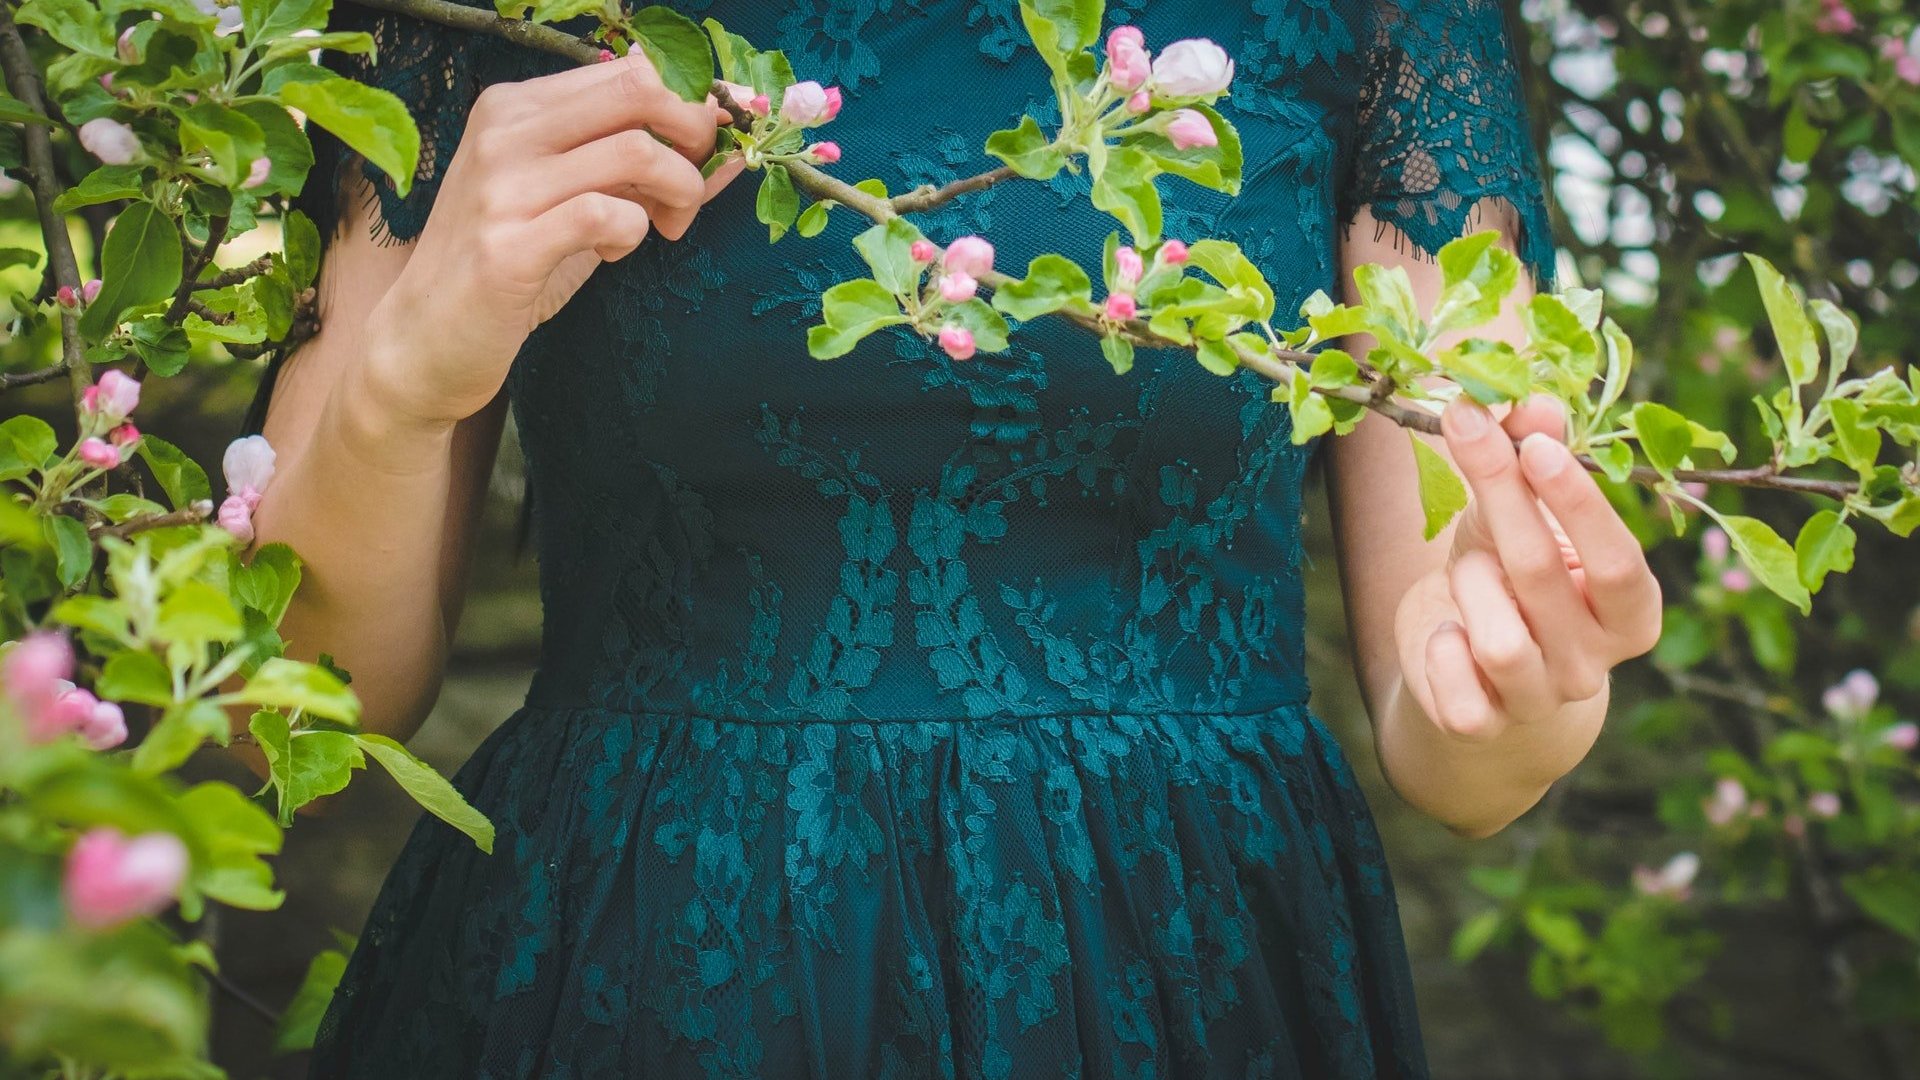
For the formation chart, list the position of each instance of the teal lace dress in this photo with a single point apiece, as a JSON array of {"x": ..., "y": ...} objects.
[{"x": 900, "y": 717}]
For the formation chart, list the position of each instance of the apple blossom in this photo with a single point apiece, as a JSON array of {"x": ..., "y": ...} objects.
[
  {"x": 760, "y": 105},
  {"x": 923, "y": 251},
  {"x": 1736, "y": 580},
  {"x": 1128, "y": 65},
  {"x": 1824, "y": 805},
  {"x": 1728, "y": 801},
  {"x": 606, "y": 56},
  {"x": 1673, "y": 880},
  {"x": 123, "y": 45},
  {"x": 228, "y": 21},
  {"x": 110, "y": 140},
  {"x": 1130, "y": 265},
  {"x": 1794, "y": 825},
  {"x": 807, "y": 104},
  {"x": 834, "y": 100},
  {"x": 969, "y": 255},
  {"x": 1189, "y": 129},
  {"x": 99, "y": 454},
  {"x": 1904, "y": 735},
  {"x": 248, "y": 465},
  {"x": 1192, "y": 68},
  {"x": 1715, "y": 544},
  {"x": 1140, "y": 103},
  {"x": 1852, "y": 697},
  {"x": 112, "y": 879},
  {"x": 236, "y": 517},
  {"x": 1121, "y": 307},
  {"x": 124, "y": 438},
  {"x": 957, "y": 341},
  {"x": 66, "y": 297},
  {"x": 1835, "y": 18},
  {"x": 113, "y": 397},
  {"x": 958, "y": 288},
  {"x": 1172, "y": 253},
  {"x": 826, "y": 153},
  {"x": 34, "y": 670},
  {"x": 90, "y": 290}
]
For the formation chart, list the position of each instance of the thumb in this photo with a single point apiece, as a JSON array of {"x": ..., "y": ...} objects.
[{"x": 724, "y": 175}]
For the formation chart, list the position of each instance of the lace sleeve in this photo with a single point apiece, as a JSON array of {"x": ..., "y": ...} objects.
[
  {"x": 437, "y": 71},
  {"x": 1442, "y": 125}
]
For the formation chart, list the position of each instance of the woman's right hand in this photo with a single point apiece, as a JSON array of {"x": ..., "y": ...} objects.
[{"x": 554, "y": 176}]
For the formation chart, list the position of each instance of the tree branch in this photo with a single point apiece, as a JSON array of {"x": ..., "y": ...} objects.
[
  {"x": 23, "y": 79},
  {"x": 15, "y": 380},
  {"x": 192, "y": 514}
]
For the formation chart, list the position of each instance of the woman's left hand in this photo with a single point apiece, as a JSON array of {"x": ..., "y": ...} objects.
[{"x": 1544, "y": 590}]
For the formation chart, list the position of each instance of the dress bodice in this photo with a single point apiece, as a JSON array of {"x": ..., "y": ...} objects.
[{"x": 727, "y": 527}]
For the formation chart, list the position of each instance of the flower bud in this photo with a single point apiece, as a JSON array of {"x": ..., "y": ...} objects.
[
  {"x": 1852, "y": 697},
  {"x": 248, "y": 465},
  {"x": 922, "y": 251},
  {"x": 1193, "y": 68},
  {"x": 125, "y": 48},
  {"x": 1673, "y": 880},
  {"x": 826, "y": 153},
  {"x": 236, "y": 516},
  {"x": 104, "y": 727},
  {"x": 969, "y": 255},
  {"x": 257, "y": 173},
  {"x": 1140, "y": 103},
  {"x": 1128, "y": 65},
  {"x": 1728, "y": 802},
  {"x": 834, "y": 100},
  {"x": 958, "y": 288},
  {"x": 110, "y": 140},
  {"x": 1824, "y": 805},
  {"x": 111, "y": 879},
  {"x": 805, "y": 104},
  {"x": 124, "y": 437},
  {"x": 114, "y": 397},
  {"x": 1836, "y": 18},
  {"x": 90, "y": 290},
  {"x": 1715, "y": 545},
  {"x": 106, "y": 81},
  {"x": 34, "y": 668},
  {"x": 1172, "y": 253},
  {"x": 1903, "y": 736},
  {"x": 66, "y": 297},
  {"x": 1121, "y": 307},
  {"x": 606, "y": 56},
  {"x": 1736, "y": 580},
  {"x": 957, "y": 341},
  {"x": 1189, "y": 129},
  {"x": 1130, "y": 266},
  {"x": 760, "y": 105},
  {"x": 1907, "y": 69},
  {"x": 99, "y": 454}
]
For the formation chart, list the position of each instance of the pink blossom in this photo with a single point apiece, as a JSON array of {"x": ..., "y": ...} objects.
[
  {"x": 1824, "y": 805},
  {"x": 99, "y": 454},
  {"x": 106, "y": 82},
  {"x": 958, "y": 288},
  {"x": 110, "y": 140},
  {"x": 1729, "y": 800},
  {"x": 66, "y": 297},
  {"x": 34, "y": 671},
  {"x": 1128, "y": 64},
  {"x": 1140, "y": 103},
  {"x": 1852, "y": 697},
  {"x": 957, "y": 341},
  {"x": 1903, "y": 736},
  {"x": 1193, "y": 68},
  {"x": 606, "y": 56},
  {"x": 970, "y": 255},
  {"x": 1907, "y": 69},
  {"x": 806, "y": 104},
  {"x": 1172, "y": 253},
  {"x": 834, "y": 100},
  {"x": 760, "y": 105},
  {"x": 124, "y": 437},
  {"x": 236, "y": 516},
  {"x": 111, "y": 879},
  {"x": 1189, "y": 129},
  {"x": 1892, "y": 48},
  {"x": 1836, "y": 18},
  {"x": 1794, "y": 825},
  {"x": 257, "y": 172},
  {"x": 125, "y": 48},
  {"x": 89, "y": 290},
  {"x": 1130, "y": 265},
  {"x": 922, "y": 251},
  {"x": 1715, "y": 545},
  {"x": 1736, "y": 580},
  {"x": 104, "y": 727},
  {"x": 1121, "y": 307},
  {"x": 248, "y": 465},
  {"x": 826, "y": 153},
  {"x": 114, "y": 397},
  {"x": 1673, "y": 880}
]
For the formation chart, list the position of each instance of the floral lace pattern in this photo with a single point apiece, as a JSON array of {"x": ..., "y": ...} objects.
[{"x": 906, "y": 717}]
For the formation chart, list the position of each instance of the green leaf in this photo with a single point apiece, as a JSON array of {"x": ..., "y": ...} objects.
[
  {"x": 1825, "y": 545},
  {"x": 234, "y": 832},
  {"x": 678, "y": 49},
  {"x": 1217, "y": 167},
  {"x": 1124, "y": 188},
  {"x": 766, "y": 71},
  {"x": 1890, "y": 895},
  {"x": 1060, "y": 27},
  {"x": 301, "y": 239},
  {"x": 266, "y": 582},
  {"x": 183, "y": 728},
  {"x": 108, "y": 183},
  {"x": 73, "y": 551},
  {"x": 304, "y": 765},
  {"x": 1791, "y": 328},
  {"x": 1227, "y": 264},
  {"x": 1474, "y": 936},
  {"x": 1489, "y": 371},
  {"x": 778, "y": 204},
  {"x": 1027, "y": 150},
  {"x": 1052, "y": 282},
  {"x": 300, "y": 1023},
  {"x": 1843, "y": 335},
  {"x": 1855, "y": 443},
  {"x": 196, "y": 614},
  {"x": 888, "y": 250},
  {"x": 287, "y": 148},
  {"x": 229, "y": 136},
  {"x": 988, "y": 327},
  {"x": 1480, "y": 274},
  {"x": 430, "y": 789},
  {"x": 1119, "y": 353},
  {"x": 141, "y": 261},
  {"x": 1664, "y": 435},
  {"x": 850, "y": 311},
  {"x": 1771, "y": 559},
  {"x": 1559, "y": 932},
  {"x": 74, "y": 23},
  {"x": 291, "y": 684},
  {"x": 1216, "y": 356},
  {"x": 26, "y": 443},
  {"x": 371, "y": 121},
  {"x": 813, "y": 220},
  {"x": 268, "y": 20},
  {"x": 135, "y": 676},
  {"x": 181, "y": 477},
  {"x": 1388, "y": 291},
  {"x": 1442, "y": 495}
]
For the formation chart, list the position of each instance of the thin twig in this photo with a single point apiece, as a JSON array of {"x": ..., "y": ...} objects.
[
  {"x": 237, "y": 275},
  {"x": 16, "y": 379},
  {"x": 193, "y": 513},
  {"x": 195, "y": 263},
  {"x": 24, "y": 80}
]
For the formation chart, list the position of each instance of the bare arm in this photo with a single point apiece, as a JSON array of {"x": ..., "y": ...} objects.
[{"x": 1483, "y": 654}]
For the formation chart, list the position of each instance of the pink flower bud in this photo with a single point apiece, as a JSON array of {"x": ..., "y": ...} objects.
[
  {"x": 1128, "y": 65},
  {"x": 125, "y": 48},
  {"x": 1715, "y": 545},
  {"x": 1194, "y": 68},
  {"x": 1903, "y": 736},
  {"x": 111, "y": 879},
  {"x": 969, "y": 255},
  {"x": 958, "y": 342},
  {"x": 90, "y": 290},
  {"x": 760, "y": 105},
  {"x": 806, "y": 104},
  {"x": 826, "y": 153},
  {"x": 1673, "y": 881},
  {"x": 1121, "y": 307},
  {"x": 104, "y": 727},
  {"x": 1140, "y": 103},
  {"x": 1736, "y": 579},
  {"x": 834, "y": 100},
  {"x": 99, "y": 454},
  {"x": 106, "y": 82},
  {"x": 1836, "y": 18},
  {"x": 958, "y": 288},
  {"x": 1130, "y": 265},
  {"x": 110, "y": 140},
  {"x": 257, "y": 173},
  {"x": 1729, "y": 800},
  {"x": 1907, "y": 69},
  {"x": 606, "y": 55},
  {"x": 114, "y": 397},
  {"x": 124, "y": 437},
  {"x": 1824, "y": 805},
  {"x": 66, "y": 297},
  {"x": 1852, "y": 697},
  {"x": 236, "y": 516},
  {"x": 34, "y": 670},
  {"x": 1173, "y": 253},
  {"x": 248, "y": 465},
  {"x": 922, "y": 251},
  {"x": 1189, "y": 129}
]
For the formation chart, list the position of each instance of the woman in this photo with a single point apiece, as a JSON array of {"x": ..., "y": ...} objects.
[{"x": 902, "y": 716}]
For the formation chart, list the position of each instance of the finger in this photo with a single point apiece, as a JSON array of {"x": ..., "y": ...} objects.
[
  {"x": 1621, "y": 589},
  {"x": 607, "y": 225},
  {"x": 723, "y": 176},
  {"x": 1502, "y": 643},
  {"x": 1541, "y": 413},
  {"x": 1461, "y": 705},
  {"x": 1507, "y": 514},
  {"x": 622, "y": 93},
  {"x": 628, "y": 164}
]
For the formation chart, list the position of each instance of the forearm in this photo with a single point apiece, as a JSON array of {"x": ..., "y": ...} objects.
[
  {"x": 364, "y": 500},
  {"x": 1474, "y": 786}
]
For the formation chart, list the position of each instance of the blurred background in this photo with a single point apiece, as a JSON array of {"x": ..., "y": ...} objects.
[{"x": 1731, "y": 885}]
